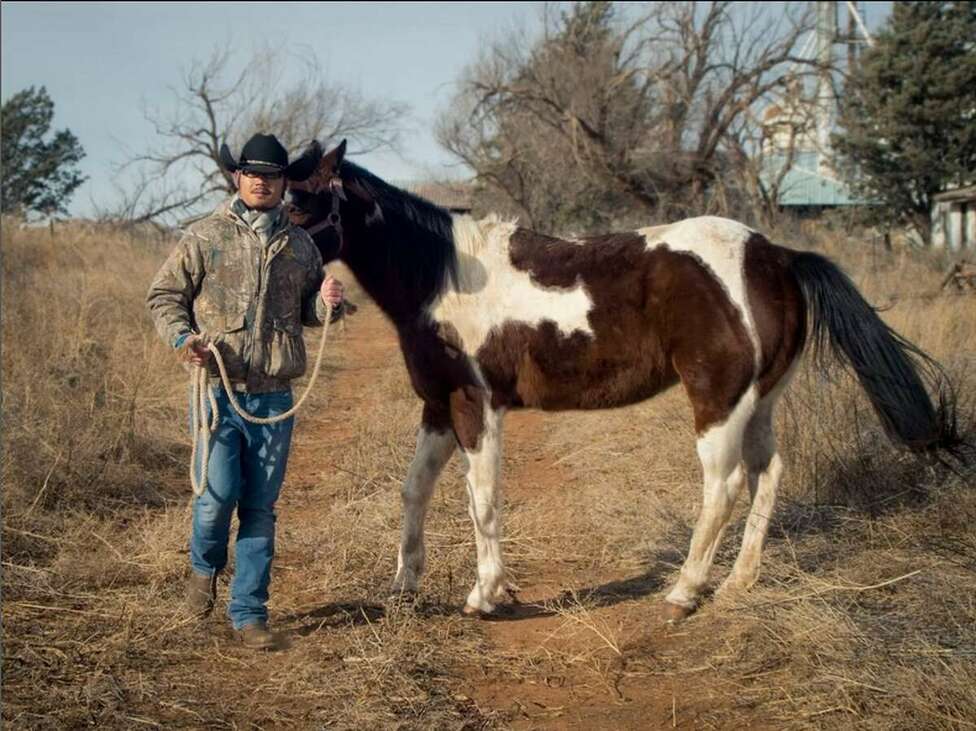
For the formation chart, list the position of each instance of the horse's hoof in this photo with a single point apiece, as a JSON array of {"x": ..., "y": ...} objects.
[
  {"x": 473, "y": 612},
  {"x": 674, "y": 613},
  {"x": 735, "y": 585},
  {"x": 401, "y": 598},
  {"x": 731, "y": 589}
]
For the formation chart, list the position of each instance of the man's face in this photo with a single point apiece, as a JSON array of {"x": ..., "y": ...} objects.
[{"x": 260, "y": 190}]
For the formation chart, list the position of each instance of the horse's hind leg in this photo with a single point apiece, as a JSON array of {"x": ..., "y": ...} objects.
[
  {"x": 764, "y": 468},
  {"x": 434, "y": 449},
  {"x": 720, "y": 452}
]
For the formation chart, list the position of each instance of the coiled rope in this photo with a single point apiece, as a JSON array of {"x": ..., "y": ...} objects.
[{"x": 201, "y": 394}]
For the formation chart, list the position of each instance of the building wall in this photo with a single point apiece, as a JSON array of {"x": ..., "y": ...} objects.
[{"x": 954, "y": 224}]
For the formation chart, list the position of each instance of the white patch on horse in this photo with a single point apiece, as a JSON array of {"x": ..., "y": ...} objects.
[
  {"x": 433, "y": 451},
  {"x": 492, "y": 292},
  {"x": 720, "y": 452},
  {"x": 720, "y": 244},
  {"x": 483, "y": 480},
  {"x": 764, "y": 468}
]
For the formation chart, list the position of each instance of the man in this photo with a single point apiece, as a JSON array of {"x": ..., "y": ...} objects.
[{"x": 246, "y": 280}]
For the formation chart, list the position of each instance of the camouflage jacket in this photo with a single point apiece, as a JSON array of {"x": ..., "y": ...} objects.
[{"x": 248, "y": 298}]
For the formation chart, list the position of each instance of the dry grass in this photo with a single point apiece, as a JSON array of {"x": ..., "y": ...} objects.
[
  {"x": 865, "y": 616},
  {"x": 95, "y": 532}
]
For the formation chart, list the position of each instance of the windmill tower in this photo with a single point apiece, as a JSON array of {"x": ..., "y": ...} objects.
[
  {"x": 827, "y": 38},
  {"x": 796, "y": 128}
]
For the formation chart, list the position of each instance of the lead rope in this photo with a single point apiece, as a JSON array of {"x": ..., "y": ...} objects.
[{"x": 201, "y": 393}]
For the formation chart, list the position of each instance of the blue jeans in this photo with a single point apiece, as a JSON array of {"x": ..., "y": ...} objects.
[{"x": 245, "y": 471}]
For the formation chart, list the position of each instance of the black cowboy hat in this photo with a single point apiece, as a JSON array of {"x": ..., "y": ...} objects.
[{"x": 264, "y": 154}]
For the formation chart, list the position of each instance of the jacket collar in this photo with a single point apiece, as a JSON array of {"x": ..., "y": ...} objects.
[{"x": 232, "y": 207}]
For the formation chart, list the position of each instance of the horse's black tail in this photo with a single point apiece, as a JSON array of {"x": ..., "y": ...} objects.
[{"x": 892, "y": 371}]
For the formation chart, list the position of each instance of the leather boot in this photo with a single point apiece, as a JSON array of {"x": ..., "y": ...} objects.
[
  {"x": 257, "y": 636},
  {"x": 201, "y": 591}
]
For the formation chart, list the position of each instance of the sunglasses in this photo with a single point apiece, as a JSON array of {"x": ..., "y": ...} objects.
[{"x": 262, "y": 176}]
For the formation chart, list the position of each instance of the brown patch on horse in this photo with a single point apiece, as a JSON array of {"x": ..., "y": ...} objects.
[
  {"x": 543, "y": 367},
  {"x": 441, "y": 375},
  {"x": 658, "y": 316},
  {"x": 709, "y": 344},
  {"x": 468, "y": 415},
  {"x": 778, "y": 309}
]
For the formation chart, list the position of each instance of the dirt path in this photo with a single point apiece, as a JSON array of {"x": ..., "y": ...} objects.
[
  {"x": 577, "y": 641},
  {"x": 603, "y": 627}
]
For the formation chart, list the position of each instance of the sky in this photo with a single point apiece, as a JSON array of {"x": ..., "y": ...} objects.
[{"x": 102, "y": 62}]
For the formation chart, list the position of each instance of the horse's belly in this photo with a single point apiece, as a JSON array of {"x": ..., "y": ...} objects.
[
  {"x": 601, "y": 386},
  {"x": 545, "y": 369}
]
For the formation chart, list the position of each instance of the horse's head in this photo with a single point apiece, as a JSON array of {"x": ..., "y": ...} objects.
[
  {"x": 399, "y": 246},
  {"x": 324, "y": 204}
]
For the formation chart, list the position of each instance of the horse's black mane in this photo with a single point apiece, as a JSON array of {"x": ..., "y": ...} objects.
[{"x": 416, "y": 235}]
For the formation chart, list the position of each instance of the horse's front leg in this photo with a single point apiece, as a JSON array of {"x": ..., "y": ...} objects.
[
  {"x": 479, "y": 430},
  {"x": 435, "y": 445}
]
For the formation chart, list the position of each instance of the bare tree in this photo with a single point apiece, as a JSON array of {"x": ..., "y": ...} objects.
[
  {"x": 647, "y": 114},
  {"x": 181, "y": 173},
  {"x": 765, "y": 147}
]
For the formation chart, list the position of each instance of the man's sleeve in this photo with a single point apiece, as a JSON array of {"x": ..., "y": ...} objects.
[{"x": 170, "y": 296}]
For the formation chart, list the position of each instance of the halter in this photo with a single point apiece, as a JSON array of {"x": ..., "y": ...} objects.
[{"x": 333, "y": 220}]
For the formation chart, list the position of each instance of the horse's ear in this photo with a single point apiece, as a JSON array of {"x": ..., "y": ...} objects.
[
  {"x": 304, "y": 166},
  {"x": 333, "y": 159}
]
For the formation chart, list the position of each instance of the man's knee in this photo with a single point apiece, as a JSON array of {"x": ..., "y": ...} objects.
[
  {"x": 211, "y": 512},
  {"x": 257, "y": 520}
]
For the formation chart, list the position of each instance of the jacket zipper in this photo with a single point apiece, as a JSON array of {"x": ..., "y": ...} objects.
[{"x": 267, "y": 256}]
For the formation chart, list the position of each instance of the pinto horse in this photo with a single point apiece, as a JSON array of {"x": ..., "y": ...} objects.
[{"x": 493, "y": 317}]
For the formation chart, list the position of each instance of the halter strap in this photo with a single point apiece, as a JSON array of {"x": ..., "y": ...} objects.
[{"x": 333, "y": 220}]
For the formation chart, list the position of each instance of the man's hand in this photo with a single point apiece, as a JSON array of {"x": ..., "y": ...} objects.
[
  {"x": 194, "y": 351},
  {"x": 331, "y": 291}
]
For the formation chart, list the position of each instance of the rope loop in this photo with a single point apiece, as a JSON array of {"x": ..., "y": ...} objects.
[{"x": 202, "y": 394}]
